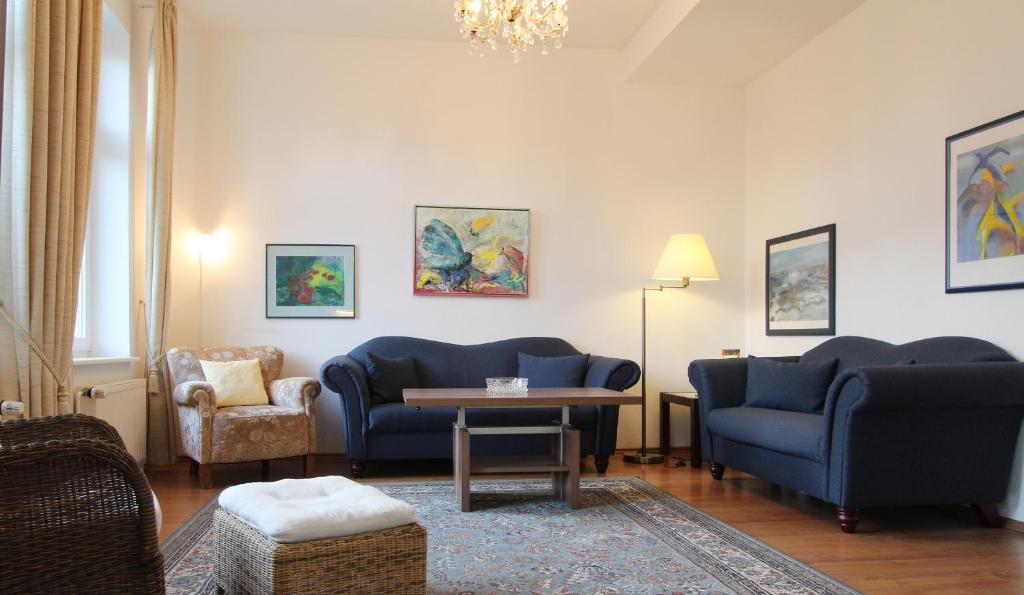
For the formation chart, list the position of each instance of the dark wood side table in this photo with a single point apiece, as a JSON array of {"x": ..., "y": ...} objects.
[{"x": 687, "y": 399}]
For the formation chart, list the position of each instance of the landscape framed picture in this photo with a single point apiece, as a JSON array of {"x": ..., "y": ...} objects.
[
  {"x": 800, "y": 283},
  {"x": 311, "y": 281},
  {"x": 471, "y": 251},
  {"x": 985, "y": 207}
]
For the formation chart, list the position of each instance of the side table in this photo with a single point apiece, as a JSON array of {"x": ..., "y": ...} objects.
[{"x": 687, "y": 399}]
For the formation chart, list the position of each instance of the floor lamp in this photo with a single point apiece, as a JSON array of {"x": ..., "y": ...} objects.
[{"x": 686, "y": 258}]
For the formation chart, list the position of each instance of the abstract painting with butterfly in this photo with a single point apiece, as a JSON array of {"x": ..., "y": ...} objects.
[{"x": 472, "y": 251}]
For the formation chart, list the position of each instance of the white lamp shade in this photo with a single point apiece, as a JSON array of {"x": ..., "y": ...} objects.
[{"x": 686, "y": 256}]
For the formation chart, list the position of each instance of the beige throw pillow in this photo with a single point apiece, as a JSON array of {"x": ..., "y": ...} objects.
[{"x": 236, "y": 383}]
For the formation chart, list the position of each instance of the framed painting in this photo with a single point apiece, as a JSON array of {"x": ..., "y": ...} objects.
[
  {"x": 985, "y": 207},
  {"x": 311, "y": 281},
  {"x": 800, "y": 283},
  {"x": 471, "y": 251}
]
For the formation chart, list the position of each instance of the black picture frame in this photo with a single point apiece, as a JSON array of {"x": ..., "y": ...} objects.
[
  {"x": 347, "y": 251},
  {"x": 828, "y": 329},
  {"x": 951, "y": 204}
]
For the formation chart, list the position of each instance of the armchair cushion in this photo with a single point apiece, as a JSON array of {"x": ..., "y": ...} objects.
[
  {"x": 237, "y": 382},
  {"x": 796, "y": 386},
  {"x": 387, "y": 378},
  {"x": 788, "y": 432},
  {"x": 553, "y": 372},
  {"x": 258, "y": 432}
]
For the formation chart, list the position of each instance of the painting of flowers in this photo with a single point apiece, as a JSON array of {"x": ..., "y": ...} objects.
[
  {"x": 800, "y": 284},
  {"x": 985, "y": 207},
  {"x": 471, "y": 251},
  {"x": 310, "y": 281}
]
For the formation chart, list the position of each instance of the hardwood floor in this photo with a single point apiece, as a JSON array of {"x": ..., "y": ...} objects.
[{"x": 915, "y": 550}]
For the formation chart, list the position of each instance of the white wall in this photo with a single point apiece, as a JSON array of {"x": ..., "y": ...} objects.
[
  {"x": 288, "y": 139},
  {"x": 851, "y": 130}
]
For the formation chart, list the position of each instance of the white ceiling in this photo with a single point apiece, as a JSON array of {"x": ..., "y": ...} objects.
[
  {"x": 595, "y": 24},
  {"x": 722, "y": 42}
]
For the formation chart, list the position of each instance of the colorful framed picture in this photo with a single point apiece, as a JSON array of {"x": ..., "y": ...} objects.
[
  {"x": 311, "y": 281},
  {"x": 472, "y": 251},
  {"x": 800, "y": 283},
  {"x": 985, "y": 207}
]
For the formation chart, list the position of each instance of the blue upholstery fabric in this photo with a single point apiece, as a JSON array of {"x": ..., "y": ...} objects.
[
  {"x": 445, "y": 365},
  {"x": 553, "y": 372},
  {"x": 941, "y": 431},
  {"x": 396, "y": 417},
  {"x": 789, "y": 386},
  {"x": 788, "y": 432}
]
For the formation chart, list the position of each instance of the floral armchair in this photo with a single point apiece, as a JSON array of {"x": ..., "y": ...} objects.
[{"x": 211, "y": 435}]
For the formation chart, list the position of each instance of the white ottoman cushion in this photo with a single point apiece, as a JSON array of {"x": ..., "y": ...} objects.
[{"x": 296, "y": 510}]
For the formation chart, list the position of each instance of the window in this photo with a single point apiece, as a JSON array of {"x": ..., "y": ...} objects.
[{"x": 103, "y": 323}]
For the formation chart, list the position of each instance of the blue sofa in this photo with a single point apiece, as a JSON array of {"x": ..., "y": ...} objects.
[
  {"x": 394, "y": 431},
  {"x": 941, "y": 430}
]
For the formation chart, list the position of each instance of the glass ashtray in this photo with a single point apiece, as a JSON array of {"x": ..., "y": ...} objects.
[{"x": 507, "y": 385}]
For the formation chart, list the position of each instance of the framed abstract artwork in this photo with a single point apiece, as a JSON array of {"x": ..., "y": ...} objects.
[
  {"x": 800, "y": 283},
  {"x": 471, "y": 251},
  {"x": 311, "y": 281},
  {"x": 985, "y": 207}
]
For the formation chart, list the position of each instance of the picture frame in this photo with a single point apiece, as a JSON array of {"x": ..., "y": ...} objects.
[
  {"x": 984, "y": 207},
  {"x": 471, "y": 251},
  {"x": 310, "y": 281},
  {"x": 800, "y": 283}
]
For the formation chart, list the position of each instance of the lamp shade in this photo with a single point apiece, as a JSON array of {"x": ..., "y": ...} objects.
[{"x": 686, "y": 256}]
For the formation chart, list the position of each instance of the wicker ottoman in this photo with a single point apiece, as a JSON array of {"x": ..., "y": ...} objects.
[{"x": 387, "y": 561}]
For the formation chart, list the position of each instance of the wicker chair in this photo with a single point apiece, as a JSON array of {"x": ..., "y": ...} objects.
[
  {"x": 77, "y": 514},
  {"x": 211, "y": 435}
]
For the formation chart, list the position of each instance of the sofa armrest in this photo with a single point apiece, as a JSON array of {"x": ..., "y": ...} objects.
[
  {"x": 611, "y": 373},
  {"x": 347, "y": 377},
  {"x": 294, "y": 393},
  {"x": 922, "y": 434},
  {"x": 195, "y": 393}
]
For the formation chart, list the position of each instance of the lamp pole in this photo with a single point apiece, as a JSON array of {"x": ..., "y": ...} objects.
[{"x": 642, "y": 457}]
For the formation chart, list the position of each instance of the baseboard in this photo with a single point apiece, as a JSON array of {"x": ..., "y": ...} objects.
[{"x": 1014, "y": 525}]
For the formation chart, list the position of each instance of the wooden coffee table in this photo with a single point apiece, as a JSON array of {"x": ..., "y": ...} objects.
[{"x": 564, "y": 461}]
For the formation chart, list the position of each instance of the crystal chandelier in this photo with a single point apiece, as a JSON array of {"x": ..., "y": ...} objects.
[{"x": 519, "y": 22}]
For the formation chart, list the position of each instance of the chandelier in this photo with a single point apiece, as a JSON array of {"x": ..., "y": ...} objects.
[{"x": 520, "y": 22}]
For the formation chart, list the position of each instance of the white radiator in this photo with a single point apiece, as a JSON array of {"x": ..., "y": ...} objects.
[{"x": 122, "y": 405}]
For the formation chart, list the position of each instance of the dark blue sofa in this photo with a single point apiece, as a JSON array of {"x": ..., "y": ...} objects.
[
  {"x": 394, "y": 431},
  {"x": 940, "y": 431}
]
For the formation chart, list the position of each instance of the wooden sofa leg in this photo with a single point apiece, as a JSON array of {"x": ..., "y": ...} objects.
[
  {"x": 193, "y": 467},
  {"x": 717, "y": 470},
  {"x": 264, "y": 470},
  {"x": 601, "y": 462},
  {"x": 357, "y": 468},
  {"x": 205, "y": 478},
  {"x": 988, "y": 514},
  {"x": 309, "y": 468},
  {"x": 848, "y": 518}
]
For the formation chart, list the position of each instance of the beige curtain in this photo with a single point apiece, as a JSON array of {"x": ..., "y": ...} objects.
[
  {"x": 163, "y": 65},
  {"x": 51, "y": 76}
]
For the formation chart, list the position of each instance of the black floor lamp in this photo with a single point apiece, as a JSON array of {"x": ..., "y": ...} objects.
[{"x": 686, "y": 258}]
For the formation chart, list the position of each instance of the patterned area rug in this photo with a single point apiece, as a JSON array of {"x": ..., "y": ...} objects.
[{"x": 629, "y": 537}]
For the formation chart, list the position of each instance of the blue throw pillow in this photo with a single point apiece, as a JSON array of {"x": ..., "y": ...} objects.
[
  {"x": 553, "y": 372},
  {"x": 387, "y": 377},
  {"x": 798, "y": 386}
]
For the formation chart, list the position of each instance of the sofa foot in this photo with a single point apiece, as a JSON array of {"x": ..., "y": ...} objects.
[
  {"x": 358, "y": 466},
  {"x": 601, "y": 462},
  {"x": 717, "y": 470},
  {"x": 309, "y": 465},
  {"x": 205, "y": 477},
  {"x": 848, "y": 518},
  {"x": 988, "y": 514}
]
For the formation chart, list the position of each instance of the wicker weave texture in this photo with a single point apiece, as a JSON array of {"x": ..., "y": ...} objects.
[
  {"x": 77, "y": 514},
  {"x": 388, "y": 561}
]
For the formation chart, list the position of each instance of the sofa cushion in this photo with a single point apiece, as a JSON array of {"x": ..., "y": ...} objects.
[
  {"x": 790, "y": 386},
  {"x": 394, "y": 418},
  {"x": 788, "y": 432},
  {"x": 553, "y": 372},
  {"x": 387, "y": 377}
]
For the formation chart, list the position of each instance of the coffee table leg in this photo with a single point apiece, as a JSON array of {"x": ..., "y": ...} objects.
[
  {"x": 461, "y": 459},
  {"x": 666, "y": 429},
  {"x": 556, "y": 453},
  {"x": 571, "y": 479},
  {"x": 696, "y": 460}
]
